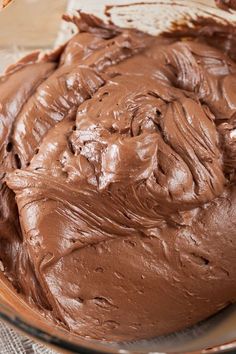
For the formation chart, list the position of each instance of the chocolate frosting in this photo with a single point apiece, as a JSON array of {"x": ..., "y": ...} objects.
[{"x": 121, "y": 150}]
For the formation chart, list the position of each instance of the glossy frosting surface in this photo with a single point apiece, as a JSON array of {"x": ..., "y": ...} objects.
[{"x": 118, "y": 197}]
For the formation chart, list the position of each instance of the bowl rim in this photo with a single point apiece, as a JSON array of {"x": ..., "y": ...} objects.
[{"x": 57, "y": 343}]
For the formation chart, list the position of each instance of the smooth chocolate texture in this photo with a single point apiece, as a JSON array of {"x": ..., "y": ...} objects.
[{"x": 120, "y": 149}]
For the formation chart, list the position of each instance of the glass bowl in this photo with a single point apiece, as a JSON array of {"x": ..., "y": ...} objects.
[{"x": 216, "y": 334}]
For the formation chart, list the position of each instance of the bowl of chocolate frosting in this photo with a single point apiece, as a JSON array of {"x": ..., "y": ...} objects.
[{"x": 117, "y": 173}]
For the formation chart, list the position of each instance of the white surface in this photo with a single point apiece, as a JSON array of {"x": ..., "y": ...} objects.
[
  {"x": 12, "y": 343},
  {"x": 31, "y": 23}
]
